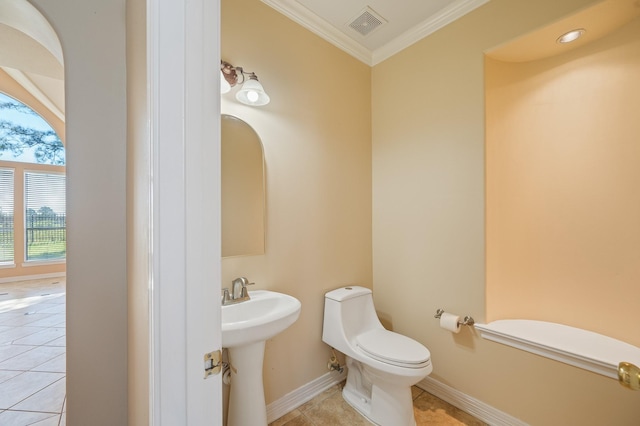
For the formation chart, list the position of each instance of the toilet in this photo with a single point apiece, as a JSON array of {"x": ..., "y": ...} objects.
[{"x": 382, "y": 365}]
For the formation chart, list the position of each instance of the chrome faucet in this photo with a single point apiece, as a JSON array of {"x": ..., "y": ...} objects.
[
  {"x": 239, "y": 287},
  {"x": 238, "y": 293}
]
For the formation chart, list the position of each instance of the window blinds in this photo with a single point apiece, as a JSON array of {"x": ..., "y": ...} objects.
[
  {"x": 6, "y": 216},
  {"x": 45, "y": 216}
]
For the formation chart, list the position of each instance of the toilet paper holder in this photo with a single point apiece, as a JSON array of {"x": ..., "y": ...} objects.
[{"x": 467, "y": 320}]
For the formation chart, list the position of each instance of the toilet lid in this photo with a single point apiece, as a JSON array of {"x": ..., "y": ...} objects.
[{"x": 393, "y": 348}]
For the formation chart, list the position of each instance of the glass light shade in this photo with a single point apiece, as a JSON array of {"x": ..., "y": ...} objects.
[
  {"x": 252, "y": 93},
  {"x": 225, "y": 87}
]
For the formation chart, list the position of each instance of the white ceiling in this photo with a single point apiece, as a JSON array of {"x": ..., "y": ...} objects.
[{"x": 407, "y": 21}]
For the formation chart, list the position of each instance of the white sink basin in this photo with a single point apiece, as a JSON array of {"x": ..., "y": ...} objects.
[
  {"x": 266, "y": 314},
  {"x": 245, "y": 328}
]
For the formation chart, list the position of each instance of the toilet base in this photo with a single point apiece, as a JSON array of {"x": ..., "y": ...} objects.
[{"x": 382, "y": 402}]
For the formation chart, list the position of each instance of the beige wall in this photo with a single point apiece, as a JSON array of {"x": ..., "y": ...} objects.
[
  {"x": 428, "y": 208},
  {"x": 428, "y": 221},
  {"x": 138, "y": 213},
  {"x": 428, "y": 211},
  {"x": 316, "y": 134},
  {"x": 92, "y": 34},
  {"x": 563, "y": 235}
]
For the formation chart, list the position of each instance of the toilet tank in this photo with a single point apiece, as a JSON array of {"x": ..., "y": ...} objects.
[{"x": 348, "y": 312}]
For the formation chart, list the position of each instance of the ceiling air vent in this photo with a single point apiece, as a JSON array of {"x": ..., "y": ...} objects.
[{"x": 367, "y": 21}]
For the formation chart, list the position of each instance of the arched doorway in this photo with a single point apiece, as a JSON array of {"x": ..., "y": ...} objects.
[{"x": 32, "y": 271}]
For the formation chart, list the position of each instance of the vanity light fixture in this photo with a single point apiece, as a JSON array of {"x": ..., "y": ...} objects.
[
  {"x": 251, "y": 93},
  {"x": 570, "y": 36}
]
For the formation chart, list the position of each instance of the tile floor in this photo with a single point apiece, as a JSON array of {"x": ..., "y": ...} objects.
[
  {"x": 32, "y": 353},
  {"x": 330, "y": 409}
]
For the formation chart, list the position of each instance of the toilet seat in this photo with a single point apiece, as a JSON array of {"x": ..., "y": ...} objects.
[{"x": 393, "y": 348}]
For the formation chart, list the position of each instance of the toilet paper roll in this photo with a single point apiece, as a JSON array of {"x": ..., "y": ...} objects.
[{"x": 450, "y": 322}]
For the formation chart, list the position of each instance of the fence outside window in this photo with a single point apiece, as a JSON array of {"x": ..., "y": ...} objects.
[
  {"x": 45, "y": 236},
  {"x": 6, "y": 238}
]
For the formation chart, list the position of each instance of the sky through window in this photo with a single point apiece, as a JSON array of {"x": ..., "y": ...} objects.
[{"x": 25, "y": 136}]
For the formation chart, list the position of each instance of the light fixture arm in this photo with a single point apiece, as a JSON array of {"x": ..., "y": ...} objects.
[
  {"x": 252, "y": 93},
  {"x": 229, "y": 72},
  {"x": 235, "y": 75}
]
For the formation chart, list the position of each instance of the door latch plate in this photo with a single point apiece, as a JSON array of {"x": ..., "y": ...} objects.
[{"x": 212, "y": 363}]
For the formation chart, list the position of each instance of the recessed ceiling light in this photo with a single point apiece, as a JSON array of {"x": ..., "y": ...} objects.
[{"x": 571, "y": 36}]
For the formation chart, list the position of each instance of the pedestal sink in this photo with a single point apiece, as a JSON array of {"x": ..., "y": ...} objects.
[{"x": 245, "y": 328}]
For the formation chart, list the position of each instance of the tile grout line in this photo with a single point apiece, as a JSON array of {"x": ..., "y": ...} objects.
[
  {"x": 28, "y": 291},
  {"x": 40, "y": 390}
]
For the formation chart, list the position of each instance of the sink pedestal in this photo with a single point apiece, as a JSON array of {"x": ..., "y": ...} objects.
[
  {"x": 246, "y": 326},
  {"x": 246, "y": 394}
]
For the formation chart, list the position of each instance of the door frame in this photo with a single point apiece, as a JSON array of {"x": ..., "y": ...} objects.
[{"x": 183, "y": 56}]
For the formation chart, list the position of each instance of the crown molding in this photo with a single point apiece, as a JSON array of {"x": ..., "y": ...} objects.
[
  {"x": 303, "y": 16},
  {"x": 454, "y": 11}
]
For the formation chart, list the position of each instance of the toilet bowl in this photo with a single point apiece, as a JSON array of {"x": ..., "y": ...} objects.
[{"x": 382, "y": 365}]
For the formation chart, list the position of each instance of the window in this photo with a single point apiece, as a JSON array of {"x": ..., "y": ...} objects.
[
  {"x": 25, "y": 136},
  {"x": 33, "y": 220},
  {"x": 45, "y": 216},
  {"x": 6, "y": 216}
]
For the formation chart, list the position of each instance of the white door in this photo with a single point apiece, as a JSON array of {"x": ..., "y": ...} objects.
[{"x": 183, "y": 63}]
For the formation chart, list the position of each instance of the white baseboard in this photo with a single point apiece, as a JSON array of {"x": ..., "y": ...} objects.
[
  {"x": 32, "y": 277},
  {"x": 470, "y": 405},
  {"x": 303, "y": 394},
  {"x": 476, "y": 408}
]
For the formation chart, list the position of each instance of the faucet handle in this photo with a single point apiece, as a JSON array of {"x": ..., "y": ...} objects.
[
  {"x": 226, "y": 297},
  {"x": 245, "y": 292}
]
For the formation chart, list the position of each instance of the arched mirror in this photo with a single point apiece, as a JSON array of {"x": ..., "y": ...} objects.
[{"x": 243, "y": 189}]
